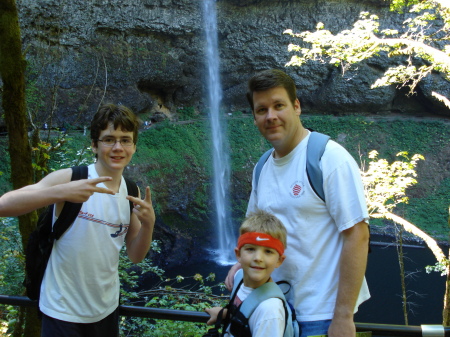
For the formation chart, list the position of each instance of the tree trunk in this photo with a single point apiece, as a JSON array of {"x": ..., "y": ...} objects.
[
  {"x": 401, "y": 262},
  {"x": 446, "y": 313},
  {"x": 12, "y": 70}
]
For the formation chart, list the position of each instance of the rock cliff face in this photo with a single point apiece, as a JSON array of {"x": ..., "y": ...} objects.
[{"x": 149, "y": 55}]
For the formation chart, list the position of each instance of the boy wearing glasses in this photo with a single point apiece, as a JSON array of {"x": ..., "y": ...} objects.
[{"x": 80, "y": 290}]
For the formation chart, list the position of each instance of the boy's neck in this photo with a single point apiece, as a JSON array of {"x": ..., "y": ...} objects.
[
  {"x": 116, "y": 176},
  {"x": 248, "y": 286}
]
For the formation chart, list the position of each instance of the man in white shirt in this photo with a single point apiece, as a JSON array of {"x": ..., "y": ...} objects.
[{"x": 327, "y": 241}]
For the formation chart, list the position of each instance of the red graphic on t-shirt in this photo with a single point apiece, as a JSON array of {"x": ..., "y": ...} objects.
[{"x": 296, "y": 189}]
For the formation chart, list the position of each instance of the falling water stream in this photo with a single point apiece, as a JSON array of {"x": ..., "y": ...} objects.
[{"x": 225, "y": 236}]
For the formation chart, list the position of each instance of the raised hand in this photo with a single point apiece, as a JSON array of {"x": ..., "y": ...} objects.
[
  {"x": 143, "y": 208},
  {"x": 81, "y": 190},
  {"x": 54, "y": 188}
]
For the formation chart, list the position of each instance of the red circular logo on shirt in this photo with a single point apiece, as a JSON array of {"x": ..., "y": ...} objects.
[{"x": 296, "y": 189}]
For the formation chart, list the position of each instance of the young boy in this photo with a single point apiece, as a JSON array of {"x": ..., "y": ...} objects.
[
  {"x": 80, "y": 290},
  {"x": 260, "y": 250}
]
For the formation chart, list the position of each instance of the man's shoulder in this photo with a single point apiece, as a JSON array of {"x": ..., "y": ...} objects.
[{"x": 335, "y": 153}]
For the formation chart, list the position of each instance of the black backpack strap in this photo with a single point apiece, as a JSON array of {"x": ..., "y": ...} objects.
[
  {"x": 132, "y": 189},
  {"x": 70, "y": 210}
]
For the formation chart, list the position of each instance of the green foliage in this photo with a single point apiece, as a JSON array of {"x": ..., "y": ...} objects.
[
  {"x": 175, "y": 160},
  {"x": 385, "y": 184},
  {"x": 187, "y": 113},
  {"x": 11, "y": 270},
  {"x": 431, "y": 210},
  {"x": 5, "y": 168},
  {"x": 420, "y": 37},
  {"x": 34, "y": 94},
  {"x": 72, "y": 150},
  {"x": 177, "y": 294},
  {"x": 401, "y": 5},
  {"x": 428, "y": 200},
  {"x": 12, "y": 262},
  {"x": 246, "y": 143},
  {"x": 129, "y": 273}
]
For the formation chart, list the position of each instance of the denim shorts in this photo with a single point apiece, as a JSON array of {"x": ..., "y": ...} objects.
[{"x": 314, "y": 328}]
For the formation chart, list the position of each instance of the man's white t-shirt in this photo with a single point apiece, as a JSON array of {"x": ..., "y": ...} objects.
[{"x": 314, "y": 243}]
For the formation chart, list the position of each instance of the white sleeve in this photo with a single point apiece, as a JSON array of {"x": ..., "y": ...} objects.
[
  {"x": 343, "y": 187},
  {"x": 268, "y": 319}
]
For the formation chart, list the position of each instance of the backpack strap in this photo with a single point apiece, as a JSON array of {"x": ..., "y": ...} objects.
[
  {"x": 70, "y": 210},
  {"x": 260, "y": 294},
  {"x": 314, "y": 151},
  {"x": 260, "y": 165},
  {"x": 266, "y": 291},
  {"x": 132, "y": 190}
]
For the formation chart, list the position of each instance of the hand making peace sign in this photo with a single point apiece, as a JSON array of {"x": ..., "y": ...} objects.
[{"x": 143, "y": 208}]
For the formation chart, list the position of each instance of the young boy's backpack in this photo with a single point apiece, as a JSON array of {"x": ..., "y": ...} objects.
[
  {"x": 238, "y": 317},
  {"x": 314, "y": 151},
  {"x": 41, "y": 240}
]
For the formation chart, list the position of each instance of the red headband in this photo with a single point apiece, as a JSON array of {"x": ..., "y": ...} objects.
[{"x": 260, "y": 239}]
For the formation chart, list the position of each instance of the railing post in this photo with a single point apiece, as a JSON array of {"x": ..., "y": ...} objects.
[{"x": 433, "y": 330}]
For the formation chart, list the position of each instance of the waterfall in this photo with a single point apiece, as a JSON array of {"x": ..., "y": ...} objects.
[{"x": 225, "y": 236}]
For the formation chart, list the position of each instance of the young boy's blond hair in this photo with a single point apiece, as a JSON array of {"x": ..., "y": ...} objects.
[{"x": 264, "y": 222}]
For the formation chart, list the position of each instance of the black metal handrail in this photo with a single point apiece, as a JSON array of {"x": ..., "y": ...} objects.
[{"x": 202, "y": 317}]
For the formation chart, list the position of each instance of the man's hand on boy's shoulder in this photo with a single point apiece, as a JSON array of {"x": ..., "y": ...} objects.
[
  {"x": 229, "y": 280},
  {"x": 143, "y": 208}
]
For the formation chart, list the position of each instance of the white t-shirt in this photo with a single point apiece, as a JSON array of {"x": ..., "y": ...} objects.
[
  {"x": 314, "y": 243},
  {"x": 81, "y": 282},
  {"x": 268, "y": 318}
]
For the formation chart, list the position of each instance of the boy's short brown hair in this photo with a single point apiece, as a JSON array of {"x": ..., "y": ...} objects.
[
  {"x": 119, "y": 116},
  {"x": 265, "y": 222}
]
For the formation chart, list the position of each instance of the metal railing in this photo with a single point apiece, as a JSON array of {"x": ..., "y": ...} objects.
[{"x": 202, "y": 317}]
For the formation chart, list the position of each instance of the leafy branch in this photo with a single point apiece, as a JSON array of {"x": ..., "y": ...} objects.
[{"x": 420, "y": 38}]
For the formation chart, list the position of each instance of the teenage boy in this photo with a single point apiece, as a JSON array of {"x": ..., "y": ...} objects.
[
  {"x": 80, "y": 290},
  {"x": 328, "y": 241},
  {"x": 260, "y": 249}
]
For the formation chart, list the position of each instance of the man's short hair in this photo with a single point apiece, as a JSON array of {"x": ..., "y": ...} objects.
[
  {"x": 119, "y": 116},
  {"x": 268, "y": 79},
  {"x": 267, "y": 223}
]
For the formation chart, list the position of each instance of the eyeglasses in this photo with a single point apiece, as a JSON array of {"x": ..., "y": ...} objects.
[{"x": 111, "y": 141}]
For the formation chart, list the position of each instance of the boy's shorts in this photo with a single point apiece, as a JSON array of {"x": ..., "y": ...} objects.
[{"x": 109, "y": 326}]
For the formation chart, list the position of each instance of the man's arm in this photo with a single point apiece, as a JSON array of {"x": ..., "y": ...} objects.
[
  {"x": 54, "y": 188},
  {"x": 352, "y": 268},
  {"x": 140, "y": 232}
]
